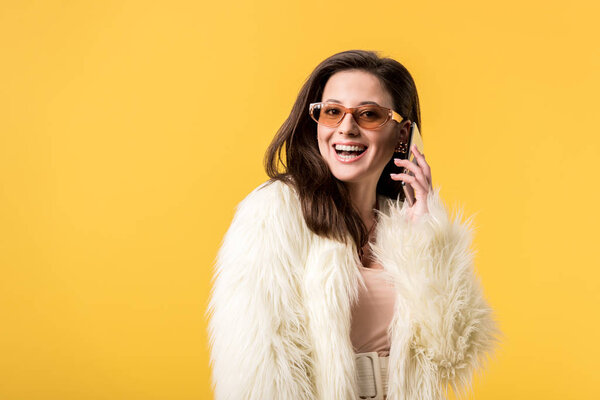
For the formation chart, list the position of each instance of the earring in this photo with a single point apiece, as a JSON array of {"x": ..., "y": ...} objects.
[{"x": 401, "y": 148}]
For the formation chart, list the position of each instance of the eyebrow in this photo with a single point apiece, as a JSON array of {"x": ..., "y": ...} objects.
[{"x": 360, "y": 104}]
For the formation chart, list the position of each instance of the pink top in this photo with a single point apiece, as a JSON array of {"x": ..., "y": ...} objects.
[{"x": 372, "y": 314}]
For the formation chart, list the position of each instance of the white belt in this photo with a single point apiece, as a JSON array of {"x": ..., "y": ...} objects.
[{"x": 372, "y": 371}]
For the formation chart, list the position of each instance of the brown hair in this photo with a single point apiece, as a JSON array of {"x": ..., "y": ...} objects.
[{"x": 325, "y": 200}]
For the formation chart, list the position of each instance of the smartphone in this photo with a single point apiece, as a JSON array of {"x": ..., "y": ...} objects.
[{"x": 416, "y": 139}]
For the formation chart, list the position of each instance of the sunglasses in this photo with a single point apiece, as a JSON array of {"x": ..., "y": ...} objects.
[{"x": 370, "y": 116}]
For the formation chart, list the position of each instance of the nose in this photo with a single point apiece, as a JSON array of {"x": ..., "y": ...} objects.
[{"x": 348, "y": 125}]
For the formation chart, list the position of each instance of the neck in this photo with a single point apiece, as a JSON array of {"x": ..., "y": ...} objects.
[{"x": 364, "y": 199}]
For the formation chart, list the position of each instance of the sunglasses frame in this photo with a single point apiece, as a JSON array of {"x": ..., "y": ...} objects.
[{"x": 391, "y": 114}]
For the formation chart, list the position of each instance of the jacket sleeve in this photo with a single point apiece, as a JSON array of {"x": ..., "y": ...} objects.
[
  {"x": 256, "y": 327},
  {"x": 451, "y": 327}
]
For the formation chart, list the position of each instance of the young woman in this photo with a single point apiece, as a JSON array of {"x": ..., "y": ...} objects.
[{"x": 328, "y": 285}]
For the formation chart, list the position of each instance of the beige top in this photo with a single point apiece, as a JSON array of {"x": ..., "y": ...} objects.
[
  {"x": 372, "y": 314},
  {"x": 374, "y": 310}
]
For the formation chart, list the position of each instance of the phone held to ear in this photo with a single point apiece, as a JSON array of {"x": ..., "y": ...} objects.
[{"x": 416, "y": 139}]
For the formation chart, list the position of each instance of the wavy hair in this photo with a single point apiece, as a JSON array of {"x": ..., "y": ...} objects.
[{"x": 326, "y": 204}]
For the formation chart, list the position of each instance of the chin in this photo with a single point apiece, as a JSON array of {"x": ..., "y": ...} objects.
[{"x": 348, "y": 177}]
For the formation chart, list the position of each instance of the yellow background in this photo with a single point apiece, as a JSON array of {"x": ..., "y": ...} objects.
[{"x": 129, "y": 130}]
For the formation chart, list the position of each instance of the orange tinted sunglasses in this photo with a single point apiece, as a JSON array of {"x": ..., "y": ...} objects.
[{"x": 369, "y": 116}]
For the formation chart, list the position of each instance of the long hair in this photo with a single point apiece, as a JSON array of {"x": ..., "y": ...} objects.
[{"x": 326, "y": 204}]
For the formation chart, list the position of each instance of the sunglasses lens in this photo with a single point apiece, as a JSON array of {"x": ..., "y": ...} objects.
[
  {"x": 328, "y": 114},
  {"x": 368, "y": 117}
]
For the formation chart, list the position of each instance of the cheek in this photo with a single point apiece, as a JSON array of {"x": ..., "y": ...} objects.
[
  {"x": 390, "y": 141},
  {"x": 323, "y": 139},
  {"x": 385, "y": 147}
]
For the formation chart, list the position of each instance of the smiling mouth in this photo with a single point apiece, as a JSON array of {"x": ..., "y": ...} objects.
[{"x": 349, "y": 153}]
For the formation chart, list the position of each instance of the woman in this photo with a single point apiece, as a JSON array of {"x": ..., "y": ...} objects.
[{"x": 328, "y": 285}]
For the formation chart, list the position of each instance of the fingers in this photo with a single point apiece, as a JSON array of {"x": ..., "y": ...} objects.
[
  {"x": 423, "y": 164},
  {"x": 420, "y": 190},
  {"x": 421, "y": 172}
]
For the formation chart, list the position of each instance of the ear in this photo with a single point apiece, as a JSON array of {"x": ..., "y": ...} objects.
[{"x": 404, "y": 131}]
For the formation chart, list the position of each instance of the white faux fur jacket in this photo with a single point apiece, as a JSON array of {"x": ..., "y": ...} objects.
[{"x": 280, "y": 306}]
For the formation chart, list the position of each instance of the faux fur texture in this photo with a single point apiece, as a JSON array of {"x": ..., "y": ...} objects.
[{"x": 280, "y": 306}]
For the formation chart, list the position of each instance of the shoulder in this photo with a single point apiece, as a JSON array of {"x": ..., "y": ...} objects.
[
  {"x": 273, "y": 192},
  {"x": 273, "y": 202},
  {"x": 267, "y": 229}
]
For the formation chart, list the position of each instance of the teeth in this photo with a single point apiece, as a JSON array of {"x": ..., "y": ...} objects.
[
  {"x": 349, "y": 148},
  {"x": 346, "y": 158}
]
